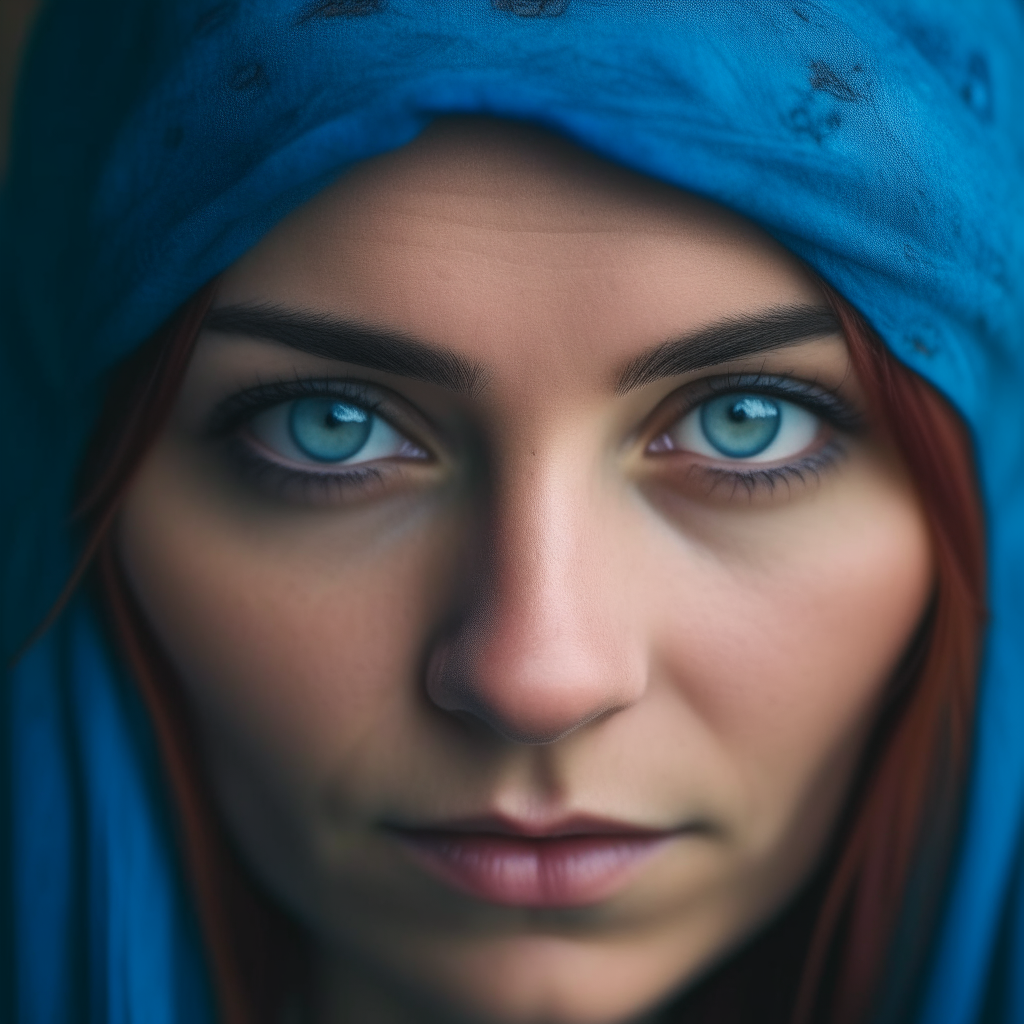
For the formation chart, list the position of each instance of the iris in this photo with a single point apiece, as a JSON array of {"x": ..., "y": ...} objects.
[
  {"x": 329, "y": 430},
  {"x": 740, "y": 426}
]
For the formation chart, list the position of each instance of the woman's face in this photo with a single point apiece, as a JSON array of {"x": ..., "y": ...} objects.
[{"x": 535, "y": 570}]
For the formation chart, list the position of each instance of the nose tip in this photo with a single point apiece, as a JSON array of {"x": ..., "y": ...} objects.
[{"x": 530, "y": 686}]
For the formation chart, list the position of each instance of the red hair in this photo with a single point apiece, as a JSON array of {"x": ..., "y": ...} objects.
[
  {"x": 881, "y": 885},
  {"x": 857, "y": 940},
  {"x": 900, "y": 837}
]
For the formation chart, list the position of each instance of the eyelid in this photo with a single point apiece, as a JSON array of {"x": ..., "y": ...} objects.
[
  {"x": 816, "y": 398},
  {"x": 235, "y": 411}
]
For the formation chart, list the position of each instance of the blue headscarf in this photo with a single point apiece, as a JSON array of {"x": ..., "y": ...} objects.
[{"x": 156, "y": 140}]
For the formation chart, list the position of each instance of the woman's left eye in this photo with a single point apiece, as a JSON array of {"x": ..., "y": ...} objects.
[
  {"x": 324, "y": 432},
  {"x": 742, "y": 426}
]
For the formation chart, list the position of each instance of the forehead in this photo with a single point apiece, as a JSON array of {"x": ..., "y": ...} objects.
[{"x": 500, "y": 240}]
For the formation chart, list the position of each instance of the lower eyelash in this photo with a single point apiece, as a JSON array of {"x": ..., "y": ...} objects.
[
  {"x": 768, "y": 479},
  {"x": 305, "y": 486}
]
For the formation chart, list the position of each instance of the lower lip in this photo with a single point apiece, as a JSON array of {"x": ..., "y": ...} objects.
[{"x": 514, "y": 871}]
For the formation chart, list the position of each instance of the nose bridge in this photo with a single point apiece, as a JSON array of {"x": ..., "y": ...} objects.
[
  {"x": 542, "y": 541},
  {"x": 547, "y": 645}
]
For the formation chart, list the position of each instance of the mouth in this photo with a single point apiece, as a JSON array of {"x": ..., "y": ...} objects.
[{"x": 570, "y": 863}]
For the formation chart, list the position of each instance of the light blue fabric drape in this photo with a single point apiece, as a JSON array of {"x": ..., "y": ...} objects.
[{"x": 156, "y": 140}]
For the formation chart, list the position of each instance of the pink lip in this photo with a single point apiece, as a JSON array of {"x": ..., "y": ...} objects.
[{"x": 568, "y": 864}]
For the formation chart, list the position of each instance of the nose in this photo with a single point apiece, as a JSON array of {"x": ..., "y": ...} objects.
[{"x": 548, "y": 643}]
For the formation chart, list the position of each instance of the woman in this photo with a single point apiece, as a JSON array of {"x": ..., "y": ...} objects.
[{"x": 657, "y": 576}]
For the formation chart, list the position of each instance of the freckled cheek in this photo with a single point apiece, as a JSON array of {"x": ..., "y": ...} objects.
[{"x": 785, "y": 656}]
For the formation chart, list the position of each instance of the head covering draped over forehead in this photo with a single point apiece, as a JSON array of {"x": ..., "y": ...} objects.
[{"x": 156, "y": 140}]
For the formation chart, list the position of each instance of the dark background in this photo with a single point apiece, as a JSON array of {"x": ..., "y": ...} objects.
[{"x": 15, "y": 16}]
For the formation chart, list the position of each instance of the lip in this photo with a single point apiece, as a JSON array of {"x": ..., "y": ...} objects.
[{"x": 573, "y": 862}]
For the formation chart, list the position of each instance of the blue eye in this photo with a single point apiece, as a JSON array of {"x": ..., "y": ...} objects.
[
  {"x": 743, "y": 426},
  {"x": 326, "y": 432},
  {"x": 740, "y": 426},
  {"x": 328, "y": 429}
]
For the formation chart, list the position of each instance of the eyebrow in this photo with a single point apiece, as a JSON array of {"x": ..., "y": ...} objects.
[
  {"x": 389, "y": 350},
  {"x": 728, "y": 339},
  {"x": 351, "y": 341}
]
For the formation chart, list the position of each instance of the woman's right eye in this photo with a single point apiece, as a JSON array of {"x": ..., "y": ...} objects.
[{"x": 320, "y": 434}]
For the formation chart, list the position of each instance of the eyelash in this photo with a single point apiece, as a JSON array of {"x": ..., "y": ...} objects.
[
  {"x": 768, "y": 480},
  {"x": 822, "y": 402},
  {"x": 313, "y": 486},
  {"x": 305, "y": 485}
]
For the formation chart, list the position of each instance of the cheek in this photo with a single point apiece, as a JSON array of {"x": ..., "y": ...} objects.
[
  {"x": 299, "y": 642},
  {"x": 783, "y": 640}
]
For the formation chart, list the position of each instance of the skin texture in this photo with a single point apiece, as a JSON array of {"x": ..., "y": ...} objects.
[{"x": 544, "y": 616}]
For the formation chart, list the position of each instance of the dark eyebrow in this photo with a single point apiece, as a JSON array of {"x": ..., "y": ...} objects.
[
  {"x": 726, "y": 340},
  {"x": 350, "y": 341}
]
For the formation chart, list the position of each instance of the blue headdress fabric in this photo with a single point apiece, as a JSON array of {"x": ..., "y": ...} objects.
[{"x": 156, "y": 140}]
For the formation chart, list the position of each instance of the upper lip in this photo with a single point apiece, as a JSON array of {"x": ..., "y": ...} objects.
[{"x": 552, "y": 828}]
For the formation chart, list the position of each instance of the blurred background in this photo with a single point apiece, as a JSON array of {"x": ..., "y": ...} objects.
[{"x": 15, "y": 17}]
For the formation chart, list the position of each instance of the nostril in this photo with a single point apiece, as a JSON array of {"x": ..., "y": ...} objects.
[
  {"x": 541, "y": 733},
  {"x": 524, "y": 698}
]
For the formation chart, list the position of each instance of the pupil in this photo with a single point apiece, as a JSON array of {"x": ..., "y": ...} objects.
[
  {"x": 328, "y": 430},
  {"x": 740, "y": 426}
]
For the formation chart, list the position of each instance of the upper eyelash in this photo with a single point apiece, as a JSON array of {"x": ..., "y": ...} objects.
[
  {"x": 822, "y": 401},
  {"x": 236, "y": 410},
  {"x": 308, "y": 485}
]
